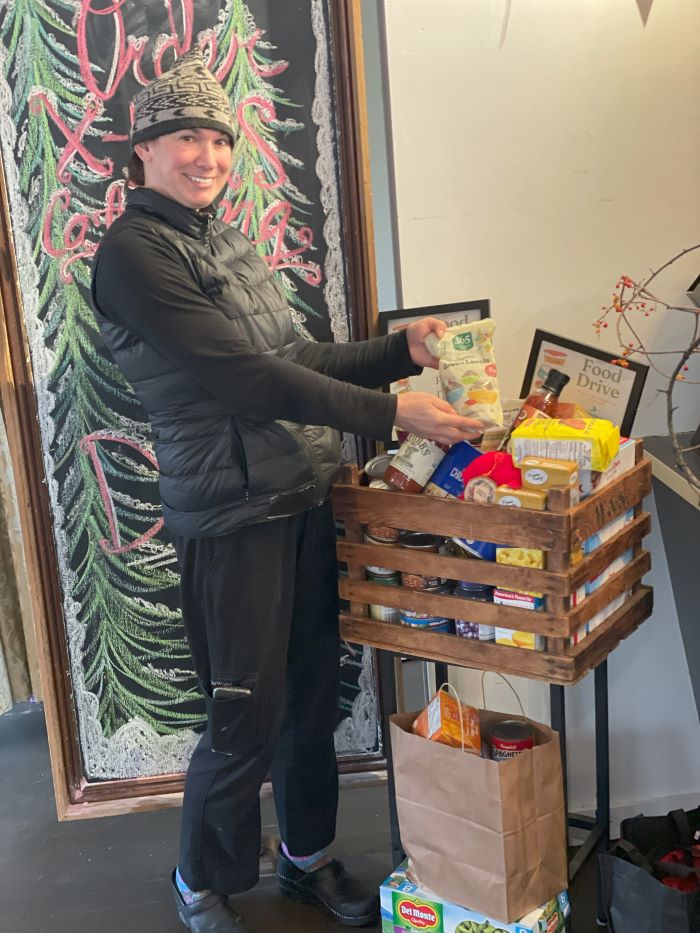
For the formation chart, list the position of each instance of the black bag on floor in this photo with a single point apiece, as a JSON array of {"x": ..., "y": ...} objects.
[{"x": 635, "y": 898}]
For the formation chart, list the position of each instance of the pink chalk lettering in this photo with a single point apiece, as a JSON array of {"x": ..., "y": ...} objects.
[
  {"x": 267, "y": 113},
  {"x": 88, "y": 446}
]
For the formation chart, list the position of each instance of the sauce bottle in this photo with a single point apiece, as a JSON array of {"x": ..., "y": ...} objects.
[
  {"x": 414, "y": 464},
  {"x": 542, "y": 400}
]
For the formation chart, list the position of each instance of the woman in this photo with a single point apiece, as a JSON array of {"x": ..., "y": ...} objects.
[{"x": 244, "y": 416}]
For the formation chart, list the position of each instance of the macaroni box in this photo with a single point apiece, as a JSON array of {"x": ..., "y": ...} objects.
[{"x": 407, "y": 907}]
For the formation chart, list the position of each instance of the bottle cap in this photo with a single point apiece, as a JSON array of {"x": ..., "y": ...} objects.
[{"x": 556, "y": 380}]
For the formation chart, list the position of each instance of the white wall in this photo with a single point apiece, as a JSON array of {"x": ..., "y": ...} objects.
[{"x": 535, "y": 174}]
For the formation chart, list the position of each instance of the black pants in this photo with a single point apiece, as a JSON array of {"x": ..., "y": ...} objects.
[{"x": 260, "y": 608}]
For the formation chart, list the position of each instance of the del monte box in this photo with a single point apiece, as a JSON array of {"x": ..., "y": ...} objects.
[{"x": 405, "y": 906}]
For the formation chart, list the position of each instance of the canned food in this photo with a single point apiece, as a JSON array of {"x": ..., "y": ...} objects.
[
  {"x": 484, "y": 550},
  {"x": 425, "y": 621},
  {"x": 467, "y": 629},
  {"x": 384, "y": 613},
  {"x": 509, "y": 738},
  {"x": 419, "y": 541},
  {"x": 377, "y": 465},
  {"x": 387, "y": 544},
  {"x": 385, "y": 534},
  {"x": 384, "y": 575}
]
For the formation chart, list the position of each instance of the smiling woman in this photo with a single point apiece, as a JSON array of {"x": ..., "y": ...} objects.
[{"x": 190, "y": 166}]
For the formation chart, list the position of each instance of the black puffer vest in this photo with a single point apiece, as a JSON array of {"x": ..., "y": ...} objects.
[{"x": 217, "y": 472}]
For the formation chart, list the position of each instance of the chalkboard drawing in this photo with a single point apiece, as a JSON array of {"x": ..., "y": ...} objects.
[{"x": 67, "y": 73}]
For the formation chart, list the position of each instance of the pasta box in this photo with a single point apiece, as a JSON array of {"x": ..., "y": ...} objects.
[{"x": 407, "y": 907}]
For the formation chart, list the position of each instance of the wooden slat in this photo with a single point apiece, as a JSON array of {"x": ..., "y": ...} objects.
[
  {"x": 454, "y": 568},
  {"x": 452, "y": 518},
  {"x": 566, "y": 668},
  {"x": 602, "y": 507},
  {"x": 451, "y": 649},
  {"x": 603, "y": 556},
  {"x": 452, "y": 607},
  {"x": 622, "y": 580},
  {"x": 595, "y": 647}
]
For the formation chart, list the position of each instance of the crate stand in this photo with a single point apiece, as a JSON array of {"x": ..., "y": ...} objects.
[{"x": 559, "y": 531}]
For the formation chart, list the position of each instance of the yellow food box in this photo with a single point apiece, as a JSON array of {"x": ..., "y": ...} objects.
[
  {"x": 522, "y": 498},
  {"x": 506, "y": 636},
  {"x": 541, "y": 473},
  {"x": 521, "y": 557},
  {"x": 591, "y": 442}
]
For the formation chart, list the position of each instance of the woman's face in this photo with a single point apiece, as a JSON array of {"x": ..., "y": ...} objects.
[{"x": 190, "y": 166}]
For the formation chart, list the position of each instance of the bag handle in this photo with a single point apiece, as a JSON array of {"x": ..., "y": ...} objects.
[
  {"x": 509, "y": 684},
  {"x": 685, "y": 834},
  {"x": 634, "y": 855},
  {"x": 451, "y": 690}
]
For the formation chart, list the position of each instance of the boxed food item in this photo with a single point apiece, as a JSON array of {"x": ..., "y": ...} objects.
[
  {"x": 440, "y": 721},
  {"x": 541, "y": 473},
  {"x": 522, "y": 498},
  {"x": 407, "y": 907},
  {"x": 598, "y": 618},
  {"x": 493, "y": 437},
  {"x": 447, "y": 482},
  {"x": 507, "y": 636},
  {"x": 523, "y": 600},
  {"x": 520, "y": 557},
  {"x": 571, "y": 410},
  {"x": 589, "y": 481},
  {"x": 591, "y": 442}
]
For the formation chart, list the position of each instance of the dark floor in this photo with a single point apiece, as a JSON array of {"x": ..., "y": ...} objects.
[{"x": 111, "y": 875}]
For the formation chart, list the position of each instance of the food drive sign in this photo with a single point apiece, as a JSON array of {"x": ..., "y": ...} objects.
[
  {"x": 602, "y": 388},
  {"x": 410, "y": 913}
]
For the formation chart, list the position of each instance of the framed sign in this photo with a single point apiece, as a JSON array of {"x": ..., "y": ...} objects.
[
  {"x": 122, "y": 709},
  {"x": 604, "y": 389},
  {"x": 460, "y": 312}
]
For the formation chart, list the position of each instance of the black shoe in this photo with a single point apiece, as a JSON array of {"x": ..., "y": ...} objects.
[
  {"x": 209, "y": 914},
  {"x": 330, "y": 887}
]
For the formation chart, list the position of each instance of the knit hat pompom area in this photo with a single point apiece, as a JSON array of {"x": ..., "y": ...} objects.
[{"x": 187, "y": 96}]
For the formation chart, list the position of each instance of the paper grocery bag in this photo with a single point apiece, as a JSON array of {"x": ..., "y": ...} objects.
[{"x": 484, "y": 834}]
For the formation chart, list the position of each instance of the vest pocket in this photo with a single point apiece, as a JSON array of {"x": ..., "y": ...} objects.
[{"x": 241, "y": 456}]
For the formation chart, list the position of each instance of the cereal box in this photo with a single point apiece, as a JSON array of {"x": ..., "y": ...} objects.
[{"x": 407, "y": 907}]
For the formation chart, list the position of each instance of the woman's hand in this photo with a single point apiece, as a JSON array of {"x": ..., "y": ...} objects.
[
  {"x": 416, "y": 334},
  {"x": 428, "y": 416}
]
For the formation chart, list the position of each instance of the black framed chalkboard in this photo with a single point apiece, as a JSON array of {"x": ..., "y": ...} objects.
[{"x": 122, "y": 706}]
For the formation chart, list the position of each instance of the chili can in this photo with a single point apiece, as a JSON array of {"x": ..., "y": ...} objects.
[{"x": 509, "y": 738}]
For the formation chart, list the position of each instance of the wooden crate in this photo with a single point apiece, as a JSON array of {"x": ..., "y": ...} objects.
[{"x": 559, "y": 531}]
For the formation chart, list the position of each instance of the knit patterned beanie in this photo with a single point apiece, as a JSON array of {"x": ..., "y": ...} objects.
[{"x": 187, "y": 96}]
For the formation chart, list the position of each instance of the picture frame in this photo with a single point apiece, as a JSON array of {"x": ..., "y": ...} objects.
[
  {"x": 44, "y": 270},
  {"x": 604, "y": 389},
  {"x": 458, "y": 312}
]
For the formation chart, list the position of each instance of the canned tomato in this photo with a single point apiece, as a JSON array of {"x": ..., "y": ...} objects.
[{"x": 509, "y": 738}]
